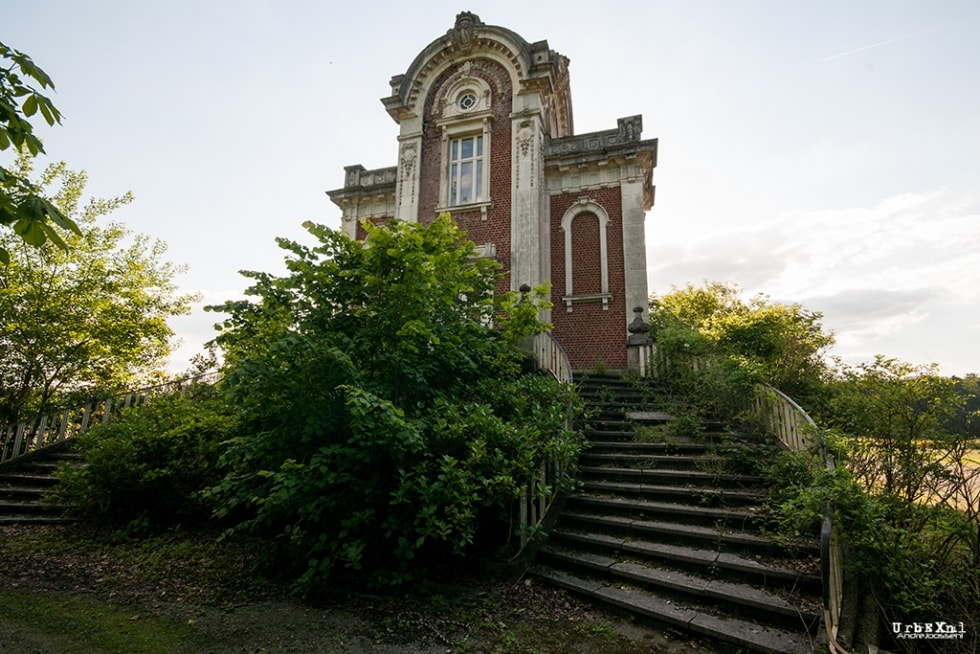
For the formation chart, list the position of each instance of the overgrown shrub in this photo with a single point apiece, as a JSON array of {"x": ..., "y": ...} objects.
[
  {"x": 148, "y": 466},
  {"x": 917, "y": 559},
  {"x": 385, "y": 423}
]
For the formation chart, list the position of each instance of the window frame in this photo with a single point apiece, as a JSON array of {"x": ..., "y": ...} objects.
[
  {"x": 463, "y": 166},
  {"x": 461, "y": 122}
]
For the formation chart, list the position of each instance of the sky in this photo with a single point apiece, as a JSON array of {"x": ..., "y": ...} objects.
[{"x": 822, "y": 153}]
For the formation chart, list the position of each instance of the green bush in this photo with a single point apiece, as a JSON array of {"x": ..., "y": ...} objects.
[
  {"x": 148, "y": 466},
  {"x": 915, "y": 559},
  {"x": 385, "y": 424}
]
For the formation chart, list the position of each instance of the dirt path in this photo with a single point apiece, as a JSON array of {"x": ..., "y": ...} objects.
[{"x": 61, "y": 593}]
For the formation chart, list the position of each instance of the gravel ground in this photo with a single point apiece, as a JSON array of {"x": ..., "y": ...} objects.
[{"x": 62, "y": 592}]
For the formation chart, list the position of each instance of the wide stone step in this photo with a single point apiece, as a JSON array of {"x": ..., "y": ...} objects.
[
  {"x": 26, "y": 507},
  {"x": 736, "y": 631},
  {"x": 34, "y": 493},
  {"x": 673, "y": 532},
  {"x": 701, "y": 495},
  {"x": 679, "y": 462},
  {"x": 27, "y": 478},
  {"x": 757, "y": 570},
  {"x": 741, "y": 517},
  {"x": 35, "y": 519},
  {"x": 745, "y": 599},
  {"x": 658, "y": 474},
  {"x": 633, "y": 448}
]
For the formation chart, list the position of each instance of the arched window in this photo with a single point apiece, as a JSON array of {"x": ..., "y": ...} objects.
[
  {"x": 465, "y": 125},
  {"x": 580, "y": 258}
]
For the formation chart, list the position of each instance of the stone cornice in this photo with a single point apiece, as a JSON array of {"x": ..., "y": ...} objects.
[
  {"x": 582, "y": 148},
  {"x": 360, "y": 182}
]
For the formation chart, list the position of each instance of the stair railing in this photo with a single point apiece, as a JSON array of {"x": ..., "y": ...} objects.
[
  {"x": 59, "y": 426},
  {"x": 790, "y": 423},
  {"x": 787, "y": 421},
  {"x": 540, "y": 492}
]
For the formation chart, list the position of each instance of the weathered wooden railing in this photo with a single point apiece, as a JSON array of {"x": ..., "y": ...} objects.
[
  {"x": 59, "y": 426},
  {"x": 787, "y": 420},
  {"x": 792, "y": 426},
  {"x": 541, "y": 492}
]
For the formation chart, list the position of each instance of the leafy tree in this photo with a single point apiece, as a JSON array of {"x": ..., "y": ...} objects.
[
  {"x": 89, "y": 318},
  {"x": 898, "y": 415},
  {"x": 384, "y": 420},
  {"x": 906, "y": 489},
  {"x": 780, "y": 344},
  {"x": 22, "y": 205}
]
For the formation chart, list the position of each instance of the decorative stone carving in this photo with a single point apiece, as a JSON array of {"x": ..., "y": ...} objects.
[
  {"x": 407, "y": 160},
  {"x": 630, "y": 128},
  {"x": 525, "y": 135},
  {"x": 464, "y": 33}
]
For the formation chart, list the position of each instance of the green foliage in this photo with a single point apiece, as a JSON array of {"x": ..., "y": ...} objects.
[
  {"x": 518, "y": 316},
  {"x": 22, "y": 205},
  {"x": 741, "y": 341},
  {"x": 87, "y": 319},
  {"x": 148, "y": 466},
  {"x": 918, "y": 557},
  {"x": 384, "y": 422},
  {"x": 897, "y": 414}
]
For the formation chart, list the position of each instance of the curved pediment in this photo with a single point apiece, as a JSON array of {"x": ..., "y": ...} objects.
[{"x": 532, "y": 67}]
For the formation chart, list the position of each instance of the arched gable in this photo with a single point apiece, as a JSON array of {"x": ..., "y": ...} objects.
[{"x": 532, "y": 68}]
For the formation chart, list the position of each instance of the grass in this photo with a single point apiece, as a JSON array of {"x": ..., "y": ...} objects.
[
  {"x": 73, "y": 590},
  {"x": 84, "y": 625}
]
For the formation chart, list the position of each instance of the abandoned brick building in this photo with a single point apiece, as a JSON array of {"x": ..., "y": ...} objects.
[{"x": 486, "y": 134}]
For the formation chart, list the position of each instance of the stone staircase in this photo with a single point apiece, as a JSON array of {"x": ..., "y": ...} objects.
[
  {"x": 24, "y": 483},
  {"x": 662, "y": 529}
]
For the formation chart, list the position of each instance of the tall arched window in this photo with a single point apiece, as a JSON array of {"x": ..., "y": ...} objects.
[{"x": 580, "y": 260}]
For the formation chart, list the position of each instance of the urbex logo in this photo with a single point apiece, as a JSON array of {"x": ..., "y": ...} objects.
[{"x": 928, "y": 631}]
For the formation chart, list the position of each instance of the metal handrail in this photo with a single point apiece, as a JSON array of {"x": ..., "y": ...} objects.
[{"x": 56, "y": 427}]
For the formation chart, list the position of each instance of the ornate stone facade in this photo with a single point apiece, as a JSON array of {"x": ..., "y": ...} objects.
[{"x": 486, "y": 133}]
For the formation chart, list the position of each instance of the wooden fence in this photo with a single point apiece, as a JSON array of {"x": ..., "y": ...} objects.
[
  {"x": 60, "y": 426},
  {"x": 539, "y": 494}
]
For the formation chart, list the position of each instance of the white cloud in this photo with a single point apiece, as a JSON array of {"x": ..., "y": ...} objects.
[{"x": 908, "y": 262}]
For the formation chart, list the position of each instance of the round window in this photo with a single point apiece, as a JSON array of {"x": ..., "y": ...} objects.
[{"x": 466, "y": 101}]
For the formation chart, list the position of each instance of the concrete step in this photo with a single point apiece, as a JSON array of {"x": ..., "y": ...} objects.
[
  {"x": 662, "y": 529},
  {"x": 28, "y": 507},
  {"x": 737, "y": 599},
  {"x": 755, "y": 570},
  {"x": 663, "y": 474},
  {"x": 688, "y": 493},
  {"x": 35, "y": 519},
  {"x": 740, "y": 517},
  {"x": 679, "y": 462},
  {"x": 647, "y": 449},
  {"x": 739, "y": 632},
  {"x": 718, "y": 536},
  {"x": 11, "y": 492}
]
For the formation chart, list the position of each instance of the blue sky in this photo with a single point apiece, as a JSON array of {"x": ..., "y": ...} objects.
[{"x": 826, "y": 153}]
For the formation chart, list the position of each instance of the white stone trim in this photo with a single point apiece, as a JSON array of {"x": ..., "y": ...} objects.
[
  {"x": 634, "y": 247},
  {"x": 408, "y": 180}
]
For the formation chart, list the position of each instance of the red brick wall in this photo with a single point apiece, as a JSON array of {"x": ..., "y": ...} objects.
[
  {"x": 496, "y": 228},
  {"x": 590, "y": 335},
  {"x": 587, "y": 264}
]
